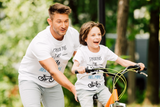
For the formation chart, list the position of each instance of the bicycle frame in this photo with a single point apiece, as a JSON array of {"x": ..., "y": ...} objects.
[{"x": 113, "y": 100}]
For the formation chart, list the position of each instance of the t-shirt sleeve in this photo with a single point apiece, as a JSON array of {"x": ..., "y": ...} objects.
[
  {"x": 78, "y": 56},
  {"x": 41, "y": 50},
  {"x": 75, "y": 38},
  {"x": 111, "y": 56}
]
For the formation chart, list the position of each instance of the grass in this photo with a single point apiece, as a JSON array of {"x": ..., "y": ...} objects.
[{"x": 142, "y": 105}]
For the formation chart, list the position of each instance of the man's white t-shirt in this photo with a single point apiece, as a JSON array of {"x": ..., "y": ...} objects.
[
  {"x": 91, "y": 60},
  {"x": 45, "y": 46}
]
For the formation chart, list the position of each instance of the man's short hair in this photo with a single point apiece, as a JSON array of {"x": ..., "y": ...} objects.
[{"x": 58, "y": 8}]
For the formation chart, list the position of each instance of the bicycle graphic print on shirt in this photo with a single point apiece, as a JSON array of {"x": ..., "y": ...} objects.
[
  {"x": 45, "y": 78},
  {"x": 92, "y": 84},
  {"x": 94, "y": 76}
]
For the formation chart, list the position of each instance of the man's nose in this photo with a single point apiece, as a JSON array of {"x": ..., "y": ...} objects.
[{"x": 63, "y": 25}]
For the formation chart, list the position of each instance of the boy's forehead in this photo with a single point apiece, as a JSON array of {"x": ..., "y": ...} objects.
[{"x": 95, "y": 29}]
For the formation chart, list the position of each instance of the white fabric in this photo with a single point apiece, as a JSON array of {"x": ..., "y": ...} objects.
[
  {"x": 45, "y": 46},
  {"x": 33, "y": 94},
  {"x": 90, "y": 60},
  {"x": 85, "y": 97}
]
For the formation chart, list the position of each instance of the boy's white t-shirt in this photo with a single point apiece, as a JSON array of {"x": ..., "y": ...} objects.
[
  {"x": 45, "y": 46},
  {"x": 90, "y": 60}
]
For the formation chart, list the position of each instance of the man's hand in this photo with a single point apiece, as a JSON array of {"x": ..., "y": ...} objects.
[{"x": 73, "y": 90}]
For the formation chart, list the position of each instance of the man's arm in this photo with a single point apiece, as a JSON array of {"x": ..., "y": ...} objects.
[{"x": 51, "y": 66}]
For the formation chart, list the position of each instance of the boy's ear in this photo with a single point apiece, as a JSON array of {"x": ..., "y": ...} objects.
[{"x": 85, "y": 40}]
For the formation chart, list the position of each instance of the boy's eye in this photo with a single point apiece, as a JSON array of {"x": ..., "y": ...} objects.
[{"x": 99, "y": 34}]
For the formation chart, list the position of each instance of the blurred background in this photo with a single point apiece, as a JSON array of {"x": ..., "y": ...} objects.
[{"x": 132, "y": 32}]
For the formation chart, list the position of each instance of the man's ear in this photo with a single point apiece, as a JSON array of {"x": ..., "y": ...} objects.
[{"x": 49, "y": 21}]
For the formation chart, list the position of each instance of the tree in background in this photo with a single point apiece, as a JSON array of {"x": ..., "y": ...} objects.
[
  {"x": 152, "y": 26},
  {"x": 135, "y": 25},
  {"x": 122, "y": 20},
  {"x": 152, "y": 92}
]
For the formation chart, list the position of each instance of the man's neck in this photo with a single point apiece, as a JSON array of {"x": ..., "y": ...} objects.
[{"x": 55, "y": 35}]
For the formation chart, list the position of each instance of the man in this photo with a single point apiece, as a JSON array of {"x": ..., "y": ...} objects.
[{"x": 47, "y": 55}]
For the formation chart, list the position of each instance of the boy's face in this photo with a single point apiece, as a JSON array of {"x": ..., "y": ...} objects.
[
  {"x": 59, "y": 25},
  {"x": 93, "y": 39}
]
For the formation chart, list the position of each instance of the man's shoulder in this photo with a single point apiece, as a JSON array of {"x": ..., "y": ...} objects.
[
  {"x": 41, "y": 36},
  {"x": 44, "y": 31},
  {"x": 71, "y": 30},
  {"x": 72, "y": 34}
]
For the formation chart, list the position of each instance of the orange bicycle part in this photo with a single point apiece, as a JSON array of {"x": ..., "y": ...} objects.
[{"x": 113, "y": 98}]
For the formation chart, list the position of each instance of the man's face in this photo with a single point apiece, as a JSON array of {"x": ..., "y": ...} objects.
[{"x": 59, "y": 25}]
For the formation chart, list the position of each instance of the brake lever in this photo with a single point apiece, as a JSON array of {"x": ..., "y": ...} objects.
[
  {"x": 144, "y": 74},
  {"x": 141, "y": 73}
]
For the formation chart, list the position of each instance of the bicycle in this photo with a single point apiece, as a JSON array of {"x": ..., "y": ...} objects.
[{"x": 114, "y": 98}]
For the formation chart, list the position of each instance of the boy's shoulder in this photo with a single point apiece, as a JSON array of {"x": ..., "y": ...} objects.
[{"x": 103, "y": 47}]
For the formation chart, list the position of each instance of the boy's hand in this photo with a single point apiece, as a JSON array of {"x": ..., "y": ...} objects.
[{"x": 142, "y": 66}]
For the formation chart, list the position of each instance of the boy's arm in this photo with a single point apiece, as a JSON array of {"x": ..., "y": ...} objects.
[
  {"x": 76, "y": 66},
  {"x": 74, "y": 53},
  {"x": 127, "y": 63}
]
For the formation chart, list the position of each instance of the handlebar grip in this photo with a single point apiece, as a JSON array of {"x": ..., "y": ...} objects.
[
  {"x": 145, "y": 69},
  {"x": 87, "y": 70},
  {"x": 76, "y": 72},
  {"x": 138, "y": 67}
]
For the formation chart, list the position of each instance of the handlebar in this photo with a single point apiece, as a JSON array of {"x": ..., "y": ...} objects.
[
  {"x": 135, "y": 67},
  {"x": 92, "y": 70}
]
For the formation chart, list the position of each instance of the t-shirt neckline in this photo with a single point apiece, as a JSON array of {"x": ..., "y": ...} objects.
[{"x": 55, "y": 40}]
